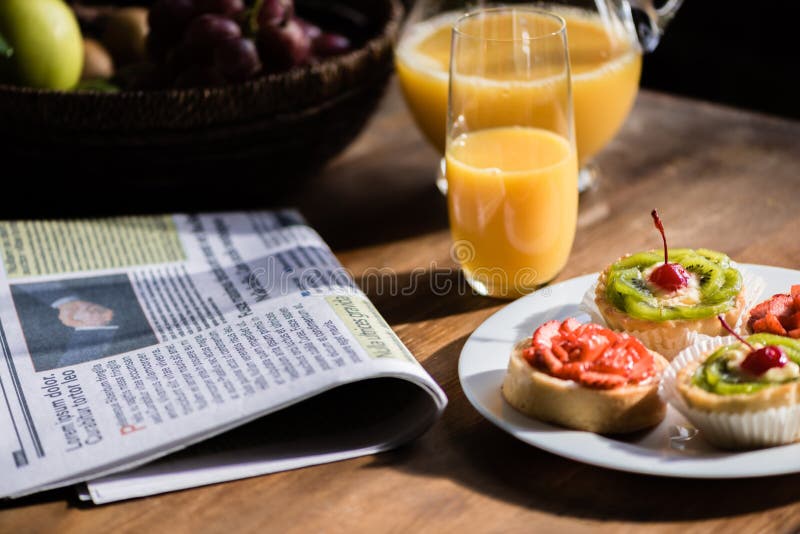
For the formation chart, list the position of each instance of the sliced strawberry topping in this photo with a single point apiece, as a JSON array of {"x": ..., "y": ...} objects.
[
  {"x": 549, "y": 360},
  {"x": 573, "y": 371},
  {"x": 589, "y": 354},
  {"x": 602, "y": 380},
  {"x": 780, "y": 314},
  {"x": 795, "y": 292},
  {"x": 778, "y": 305},
  {"x": 530, "y": 355},
  {"x": 544, "y": 333},
  {"x": 774, "y": 325},
  {"x": 561, "y": 353},
  {"x": 781, "y": 305},
  {"x": 570, "y": 325},
  {"x": 760, "y": 310},
  {"x": 791, "y": 322}
]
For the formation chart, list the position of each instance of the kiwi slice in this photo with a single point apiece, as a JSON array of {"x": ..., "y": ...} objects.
[
  {"x": 734, "y": 388},
  {"x": 730, "y": 287},
  {"x": 701, "y": 311},
  {"x": 649, "y": 311},
  {"x": 717, "y": 257},
  {"x": 630, "y": 282},
  {"x": 641, "y": 260},
  {"x": 713, "y": 371},
  {"x": 711, "y": 276},
  {"x": 677, "y": 254}
]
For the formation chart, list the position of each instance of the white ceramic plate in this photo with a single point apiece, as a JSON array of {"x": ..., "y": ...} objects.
[{"x": 482, "y": 366}]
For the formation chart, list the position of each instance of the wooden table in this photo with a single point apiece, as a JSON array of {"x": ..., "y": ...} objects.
[{"x": 721, "y": 178}]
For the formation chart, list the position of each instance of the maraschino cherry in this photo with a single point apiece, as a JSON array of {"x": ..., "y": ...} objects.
[
  {"x": 759, "y": 361},
  {"x": 669, "y": 276}
]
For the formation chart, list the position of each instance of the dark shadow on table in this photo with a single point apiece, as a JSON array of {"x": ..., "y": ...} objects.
[
  {"x": 468, "y": 449},
  {"x": 362, "y": 214},
  {"x": 421, "y": 295},
  {"x": 66, "y": 495},
  {"x": 378, "y": 195}
]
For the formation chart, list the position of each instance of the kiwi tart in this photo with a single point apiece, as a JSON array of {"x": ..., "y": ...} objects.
[
  {"x": 662, "y": 299},
  {"x": 743, "y": 393},
  {"x": 735, "y": 370},
  {"x": 712, "y": 287}
]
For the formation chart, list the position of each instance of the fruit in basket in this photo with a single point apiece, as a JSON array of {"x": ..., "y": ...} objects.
[
  {"x": 283, "y": 47},
  {"x": 274, "y": 13},
  {"x": 44, "y": 46},
  {"x": 237, "y": 60},
  {"x": 205, "y": 43},
  {"x": 206, "y": 31},
  {"x": 312, "y": 30},
  {"x": 330, "y": 44},
  {"x": 125, "y": 34},
  {"x": 228, "y": 8},
  {"x": 97, "y": 62}
]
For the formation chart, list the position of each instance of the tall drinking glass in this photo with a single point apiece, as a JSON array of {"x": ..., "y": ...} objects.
[{"x": 510, "y": 155}]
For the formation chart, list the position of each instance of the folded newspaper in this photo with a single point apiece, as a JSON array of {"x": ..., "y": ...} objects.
[{"x": 128, "y": 339}]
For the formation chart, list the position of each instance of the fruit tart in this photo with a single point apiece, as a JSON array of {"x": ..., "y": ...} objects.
[
  {"x": 740, "y": 393},
  {"x": 779, "y": 315},
  {"x": 587, "y": 377},
  {"x": 663, "y": 299}
]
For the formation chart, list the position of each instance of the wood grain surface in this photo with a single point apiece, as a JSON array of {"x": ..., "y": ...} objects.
[{"x": 721, "y": 178}]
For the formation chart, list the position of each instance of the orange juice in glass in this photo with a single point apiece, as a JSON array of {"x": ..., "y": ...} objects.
[
  {"x": 606, "y": 65},
  {"x": 511, "y": 162}
]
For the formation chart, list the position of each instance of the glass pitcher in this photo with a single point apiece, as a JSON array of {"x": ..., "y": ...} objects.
[{"x": 606, "y": 41}]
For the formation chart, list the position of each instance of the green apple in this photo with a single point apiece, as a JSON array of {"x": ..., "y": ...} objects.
[{"x": 40, "y": 44}]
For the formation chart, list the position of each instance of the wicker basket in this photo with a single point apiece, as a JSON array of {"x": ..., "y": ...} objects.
[{"x": 277, "y": 128}]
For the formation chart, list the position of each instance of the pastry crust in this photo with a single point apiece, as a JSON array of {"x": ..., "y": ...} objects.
[
  {"x": 700, "y": 399},
  {"x": 665, "y": 337},
  {"x": 564, "y": 402}
]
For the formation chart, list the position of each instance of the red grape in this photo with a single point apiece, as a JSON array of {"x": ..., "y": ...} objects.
[
  {"x": 312, "y": 30},
  {"x": 283, "y": 48},
  {"x": 331, "y": 44},
  {"x": 275, "y": 13},
  {"x": 237, "y": 59},
  {"x": 206, "y": 31},
  {"x": 228, "y": 8}
]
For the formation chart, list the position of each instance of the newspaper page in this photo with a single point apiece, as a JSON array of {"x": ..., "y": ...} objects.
[{"x": 126, "y": 339}]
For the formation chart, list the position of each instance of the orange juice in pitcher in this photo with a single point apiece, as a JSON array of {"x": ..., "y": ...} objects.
[{"x": 605, "y": 77}]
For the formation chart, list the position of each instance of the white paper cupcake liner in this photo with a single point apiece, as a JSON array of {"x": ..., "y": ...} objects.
[
  {"x": 670, "y": 346},
  {"x": 753, "y": 289},
  {"x": 589, "y": 306},
  {"x": 765, "y": 428}
]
